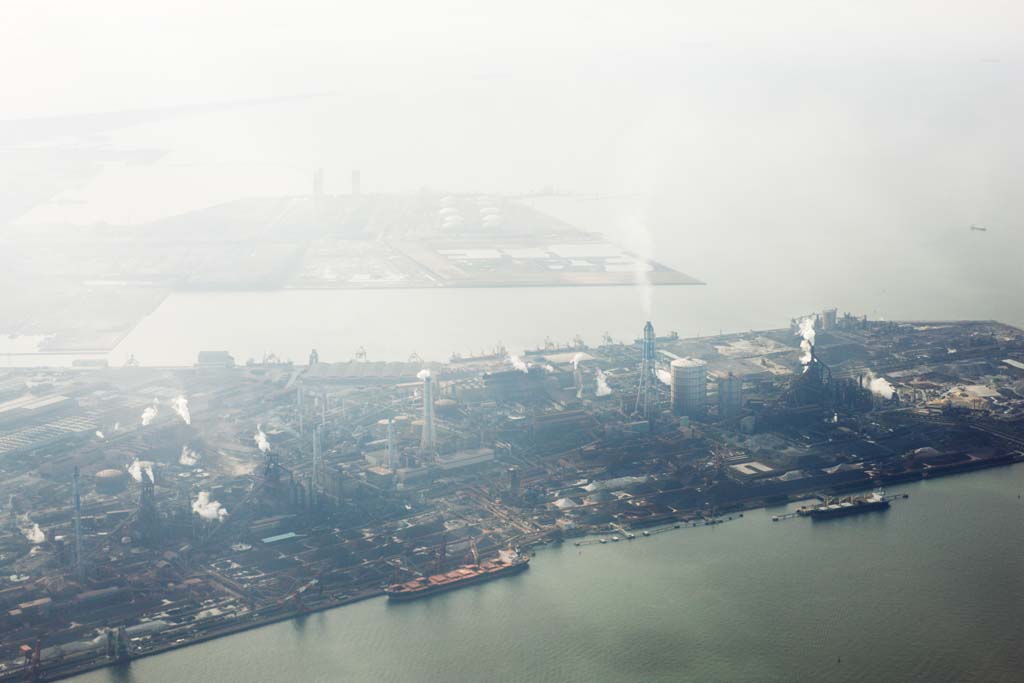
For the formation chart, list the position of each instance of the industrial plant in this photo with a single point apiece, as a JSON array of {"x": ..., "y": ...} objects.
[{"x": 146, "y": 509}]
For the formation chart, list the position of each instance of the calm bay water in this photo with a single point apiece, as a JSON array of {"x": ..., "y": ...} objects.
[
  {"x": 931, "y": 590},
  {"x": 949, "y": 274}
]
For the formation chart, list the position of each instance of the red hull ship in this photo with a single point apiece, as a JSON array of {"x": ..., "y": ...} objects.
[{"x": 506, "y": 565}]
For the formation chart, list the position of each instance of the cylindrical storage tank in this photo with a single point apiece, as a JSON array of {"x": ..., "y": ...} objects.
[
  {"x": 445, "y": 406},
  {"x": 403, "y": 424},
  {"x": 689, "y": 387},
  {"x": 111, "y": 482}
]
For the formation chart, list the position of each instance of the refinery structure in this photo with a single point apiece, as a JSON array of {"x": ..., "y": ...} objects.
[{"x": 149, "y": 508}]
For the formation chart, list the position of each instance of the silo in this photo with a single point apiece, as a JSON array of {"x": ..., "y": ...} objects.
[{"x": 689, "y": 387}]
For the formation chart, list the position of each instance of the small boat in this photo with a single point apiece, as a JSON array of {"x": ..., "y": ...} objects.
[
  {"x": 603, "y": 540},
  {"x": 647, "y": 533}
]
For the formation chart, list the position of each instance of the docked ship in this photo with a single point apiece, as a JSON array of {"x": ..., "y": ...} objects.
[
  {"x": 508, "y": 562},
  {"x": 842, "y": 507}
]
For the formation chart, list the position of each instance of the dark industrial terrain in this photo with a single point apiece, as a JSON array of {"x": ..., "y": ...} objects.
[{"x": 147, "y": 508}]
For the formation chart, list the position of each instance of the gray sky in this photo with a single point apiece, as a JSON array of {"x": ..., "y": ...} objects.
[{"x": 99, "y": 55}]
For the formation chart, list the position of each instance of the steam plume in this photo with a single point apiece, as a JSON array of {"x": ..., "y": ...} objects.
[
  {"x": 602, "y": 383},
  {"x": 518, "y": 363},
  {"x": 138, "y": 467},
  {"x": 188, "y": 457},
  {"x": 880, "y": 386},
  {"x": 664, "y": 376},
  {"x": 208, "y": 509},
  {"x": 576, "y": 360},
  {"x": 149, "y": 414},
  {"x": 261, "y": 440},
  {"x": 423, "y": 374},
  {"x": 806, "y": 334},
  {"x": 180, "y": 405},
  {"x": 99, "y": 434},
  {"x": 30, "y": 530}
]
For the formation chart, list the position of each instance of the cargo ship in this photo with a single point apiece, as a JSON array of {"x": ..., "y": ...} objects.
[
  {"x": 855, "y": 505},
  {"x": 507, "y": 563}
]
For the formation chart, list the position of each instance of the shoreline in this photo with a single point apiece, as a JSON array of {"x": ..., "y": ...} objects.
[{"x": 247, "y": 624}]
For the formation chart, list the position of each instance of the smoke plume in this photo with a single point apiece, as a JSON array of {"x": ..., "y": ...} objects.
[
  {"x": 518, "y": 363},
  {"x": 30, "y": 530},
  {"x": 423, "y": 374},
  {"x": 180, "y": 405},
  {"x": 189, "y": 457},
  {"x": 806, "y": 334},
  {"x": 602, "y": 383},
  {"x": 138, "y": 467},
  {"x": 664, "y": 376},
  {"x": 149, "y": 414},
  {"x": 576, "y": 360},
  {"x": 880, "y": 386},
  {"x": 261, "y": 440},
  {"x": 208, "y": 509}
]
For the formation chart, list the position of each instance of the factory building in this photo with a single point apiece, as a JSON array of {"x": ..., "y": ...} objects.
[
  {"x": 730, "y": 396},
  {"x": 689, "y": 387}
]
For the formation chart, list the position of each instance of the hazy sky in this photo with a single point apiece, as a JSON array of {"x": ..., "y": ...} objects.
[
  {"x": 64, "y": 57},
  {"x": 765, "y": 140}
]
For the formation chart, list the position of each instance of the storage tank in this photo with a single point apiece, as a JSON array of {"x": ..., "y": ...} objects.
[
  {"x": 689, "y": 387},
  {"x": 111, "y": 482}
]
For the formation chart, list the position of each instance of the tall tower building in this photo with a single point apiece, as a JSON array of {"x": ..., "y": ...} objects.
[
  {"x": 645, "y": 391},
  {"x": 76, "y": 492},
  {"x": 427, "y": 441},
  {"x": 730, "y": 396},
  {"x": 689, "y": 387},
  {"x": 392, "y": 452}
]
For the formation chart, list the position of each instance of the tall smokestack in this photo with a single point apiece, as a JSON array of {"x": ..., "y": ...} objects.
[
  {"x": 392, "y": 457},
  {"x": 427, "y": 442},
  {"x": 316, "y": 458},
  {"x": 76, "y": 490}
]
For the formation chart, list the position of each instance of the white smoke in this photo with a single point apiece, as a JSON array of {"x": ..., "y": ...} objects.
[
  {"x": 602, "y": 383},
  {"x": 261, "y": 440},
  {"x": 117, "y": 426},
  {"x": 138, "y": 467},
  {"x": 637, "y": 239},
  {"x": 806, "y": 334},
  {"x": 208, "y": 509},
  {"x": 149, "y": 414},
  {"x": 880, "y": 386},
  {"x": 518, "y": 363},
  {"x": 549, "y": 368},
  {"x": 664, "y": 376},
  {"x": 99, "y": 434},
  {"x": 576, "y": 360},
  {"x": 423, "y": 374},
  {"x": 180, "y": 405},
  {"x": 30, "y": 530},
  {"x": 188, "y": 457}
]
